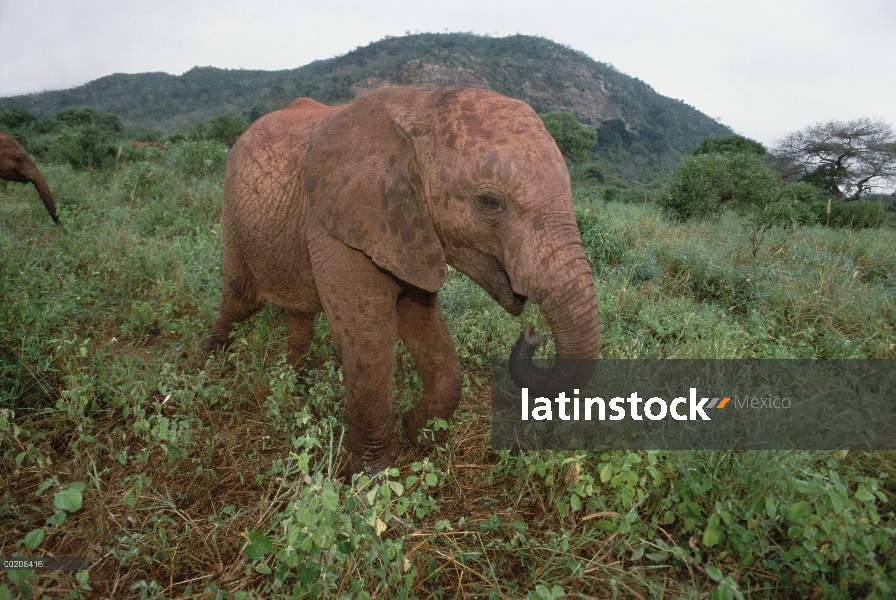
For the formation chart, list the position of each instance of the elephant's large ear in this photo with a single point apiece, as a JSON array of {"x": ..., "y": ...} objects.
[{"x": 364, "y": 186}]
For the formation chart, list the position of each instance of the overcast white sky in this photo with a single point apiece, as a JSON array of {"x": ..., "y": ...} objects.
[{"x": 763, "y": 67}]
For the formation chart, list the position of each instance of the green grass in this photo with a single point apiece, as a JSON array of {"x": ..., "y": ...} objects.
[{"x": 184, "y": 477}]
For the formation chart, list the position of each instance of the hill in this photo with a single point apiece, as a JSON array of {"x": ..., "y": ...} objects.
[{"x": 639, "y": 129}]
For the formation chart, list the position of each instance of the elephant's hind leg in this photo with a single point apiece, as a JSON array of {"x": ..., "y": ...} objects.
[
  {"x": 239, "y": 301},
  {"x": 301, "y": 333},
  {"x": 422, "y": 328}
]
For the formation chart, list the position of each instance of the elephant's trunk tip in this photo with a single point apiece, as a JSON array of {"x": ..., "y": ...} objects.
[
  {"x": 528, "y": 342},
  {"x": 522, "y": 370}
]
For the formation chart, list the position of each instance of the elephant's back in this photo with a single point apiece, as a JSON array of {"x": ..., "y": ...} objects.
[
  {"x": 264, "y": 214},
  {"x": 264, "y": 167}
]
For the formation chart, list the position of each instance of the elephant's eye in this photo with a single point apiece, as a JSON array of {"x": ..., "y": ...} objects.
[{"x": 489, "y": 202}]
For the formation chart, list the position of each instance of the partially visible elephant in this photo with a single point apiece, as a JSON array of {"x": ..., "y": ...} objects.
[
  {"x": 356, "y": 209},
  {"x": 16, "y": 165}
]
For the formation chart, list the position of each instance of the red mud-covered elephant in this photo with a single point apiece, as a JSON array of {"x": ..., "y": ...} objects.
[{"x": 355, "y": 210}]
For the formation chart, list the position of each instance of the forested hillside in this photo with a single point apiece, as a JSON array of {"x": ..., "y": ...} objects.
[{"x": 640, "y": 132}]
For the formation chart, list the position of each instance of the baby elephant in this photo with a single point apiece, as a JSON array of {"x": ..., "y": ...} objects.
[
  {"x": 355, "y": 210},
  {"x": 16, "y": 165}
]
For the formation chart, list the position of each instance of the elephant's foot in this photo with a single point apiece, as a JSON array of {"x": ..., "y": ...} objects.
[
  {"x": 352, "y": 464},
  {"x": 213, "y": 343},
  {"x": 424, "y": 436}
]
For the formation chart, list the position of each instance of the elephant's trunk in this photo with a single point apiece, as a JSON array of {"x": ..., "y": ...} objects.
[
  {"x": 43, "y": 191},
  {"x": 572, "y": 314}
]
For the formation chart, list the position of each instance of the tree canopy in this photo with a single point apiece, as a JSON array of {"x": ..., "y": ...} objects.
[
  {"x": 847, "y": 158},
  {"x": 573, "y": 138},
  {"x": 702, "y": 185},
  {"x": 730, "y": 143}
]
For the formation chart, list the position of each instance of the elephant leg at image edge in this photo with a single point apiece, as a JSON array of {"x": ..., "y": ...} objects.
[
  {"x": 359, "y": 302},
  {"x": 422, "y": 328}
]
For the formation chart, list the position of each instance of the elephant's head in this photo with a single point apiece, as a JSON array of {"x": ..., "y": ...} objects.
[
  {"x": 16, "y": 165},
  {"x": 467, "y": 177}
]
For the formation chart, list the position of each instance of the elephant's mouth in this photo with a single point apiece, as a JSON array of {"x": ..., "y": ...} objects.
[
  {"x": 508, "y": 299},
  {"x": 489, "y": 274}
]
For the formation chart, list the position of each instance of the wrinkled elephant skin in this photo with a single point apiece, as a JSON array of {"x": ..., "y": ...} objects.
[
  {"x": 355, "y": 210},
  {"x": 16, "y": 165}
]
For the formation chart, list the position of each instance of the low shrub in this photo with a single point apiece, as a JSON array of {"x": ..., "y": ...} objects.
[{"x": 198, "y": 158}]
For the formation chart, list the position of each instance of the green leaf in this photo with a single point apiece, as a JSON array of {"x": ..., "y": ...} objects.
[
  {"x": 799, "y": 510},
  {"x": 43, "y": 487},
  {"x": 711, "y": 537},
  {"x": 307, "y": 572},
  {"x": 714, "y": 573},
  {"x": 396, "y": 487},
  {"x": 34, "y": 538},
  {"x": 863, "y": 495},
  {"x": 69, "y": 500},
  {"x": 575, "y": 503},
  {"x": 771, "y": 508},
  {"x": 606, "y": 473},
  {"x": 323, "y": 536},
  {"x": 57, "y": 518},
  {"x": 330, "y": 499},
  {"x": 431, "y": 479},
  {"x": 837, "y": 501},
  {"x": 20, "y": 576},
  {"x": 258, "y": 546}
]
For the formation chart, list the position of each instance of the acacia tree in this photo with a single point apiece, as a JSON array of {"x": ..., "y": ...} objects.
[{"x": 848, "y": 158}]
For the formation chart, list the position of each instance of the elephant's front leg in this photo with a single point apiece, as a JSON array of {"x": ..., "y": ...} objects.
[
  {"x": 359, "y": 302},
  {"x": 422, "y": 328}
]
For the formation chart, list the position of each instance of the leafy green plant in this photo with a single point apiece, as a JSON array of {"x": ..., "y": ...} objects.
[
  {"x": 702, "y": 185},
  {"x": 603, "y": 247},
  {"x": 81, "y": 137},
  {"x": 199, "y": 158}
]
